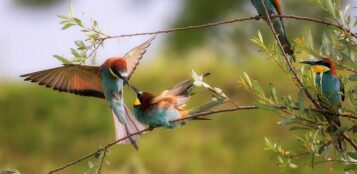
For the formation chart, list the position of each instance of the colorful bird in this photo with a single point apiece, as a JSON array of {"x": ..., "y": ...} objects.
[
  {"x": 161, "y": 110},
  {"x": 328, "y": 81},
  {"x": 273, "y": 7},
  {"x": 106, "y": 81},
  {"x": 332, "y": 90}
]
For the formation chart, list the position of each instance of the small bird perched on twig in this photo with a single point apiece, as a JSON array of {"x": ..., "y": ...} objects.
[
  {"x": 333, "y": 92},
  {"x": 274, "y": 8}
]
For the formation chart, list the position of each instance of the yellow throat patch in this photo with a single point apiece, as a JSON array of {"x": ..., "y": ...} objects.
[
  {"x": 137, "y": 102},
  {"x": 320, "y": 68}
]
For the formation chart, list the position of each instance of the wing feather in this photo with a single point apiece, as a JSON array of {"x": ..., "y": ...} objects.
[
  {"x": 180, "y": 93},
  {"x": 134, "y": 56},
  {"x": 75, "y": 79}
]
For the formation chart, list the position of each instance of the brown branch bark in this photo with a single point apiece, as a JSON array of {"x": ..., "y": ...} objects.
[
  {"x": 251, "y": 107},
  {"x": 201, "y": 26},
  {"x": 102, "y": 160},
  {"x": 202, "y": 114},
  {"x": 292, "y": 69}
]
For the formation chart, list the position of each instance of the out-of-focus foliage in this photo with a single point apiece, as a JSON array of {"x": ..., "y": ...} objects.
[
  {"x": 319, "y": 141},
  {"x": 41, "y": 129},
  {"x": 37, "y": 3},
  {"x": 231, "y": 37}
]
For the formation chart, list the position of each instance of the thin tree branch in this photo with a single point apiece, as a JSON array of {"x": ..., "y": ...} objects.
[
  {"x": 250, "y": 107},
  {"x": 149, "y": 129},
  {"x": 201, "y": 26},
  {"x": 353, "y": 144},
  {"x": 347, "y": 68},
  {"x": 292, "y": 69},
  {"x": 202, "y": 114},
  {"x": 102, "y": 160}
]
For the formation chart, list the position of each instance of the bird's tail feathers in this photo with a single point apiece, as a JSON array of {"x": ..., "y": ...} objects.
[{"x": 131, "y": 126}]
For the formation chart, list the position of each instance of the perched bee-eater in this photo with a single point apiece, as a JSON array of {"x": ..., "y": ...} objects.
[
  {"x": 106, "y": 81},
  {"x": 328, "y": 81},
  {"x": 332, "y": 90},
  {"x": 273, "y": 7},
  {"x": 161, "y": 110}
]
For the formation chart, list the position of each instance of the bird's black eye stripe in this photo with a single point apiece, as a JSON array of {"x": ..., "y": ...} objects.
[
  {"x": 324, "y": 63},
  {"x": 116, "y": 72}
]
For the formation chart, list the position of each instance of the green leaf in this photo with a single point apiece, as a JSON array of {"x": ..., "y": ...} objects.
[
  {"x": 62, "y": 59},
  {"x": 247, "y": 79},
  {"x": 75, "y": 53},
  {"x": 352, "y": 155},
  {"x": 298, "y": 128},
  {"x": 90, "y": 164},
  {"x": 78, "y": 21},
  {"x": 71, "y": 9},
  {"x": 62, "y": 16},
  {"x": 353, "y": 77},
  {"x": 273, "y": 92},
  {"x": 342, "y": 129},
  {"x": 67, "y": 26},
  {"x": 350, "y": 167},
  {"x": 10, "y": 171},
  {"x": 331, "y": 8},
  {"x": 289, "y": 121},
  {"x": 312, "y": 160},
  {"x": 265, "y": 107},
  {"x": 301, "y": 99},
  {"x": 258, "y": 88}
]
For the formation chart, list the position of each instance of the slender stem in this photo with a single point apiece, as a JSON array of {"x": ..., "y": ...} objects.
[
  {"x": 192, "y": 27},
  {"x": 292, "y": 69},
  {"x": 146, "y": 130},
  {"x": 247, "y": 107},
  {"x": 102, "y": 160},
  {"x": 347, "y": 138},
  {"x": 347, "y": 68}
]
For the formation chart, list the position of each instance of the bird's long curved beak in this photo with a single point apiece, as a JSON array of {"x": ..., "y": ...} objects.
[
  {"x": 136, "y": 90},
  {"x": 309, "y": 62}
]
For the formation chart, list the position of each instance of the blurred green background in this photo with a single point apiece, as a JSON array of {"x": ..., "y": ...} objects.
[{"x": 41, "y": 129}]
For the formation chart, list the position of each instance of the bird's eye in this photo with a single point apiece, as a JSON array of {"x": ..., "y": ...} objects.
[{"x": 115, "y": 75}]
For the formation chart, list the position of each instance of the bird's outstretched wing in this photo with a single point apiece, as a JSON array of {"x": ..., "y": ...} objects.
[
  {"x": 180, "y": 92},
  {"x": 134, "y": 56},
  {"x": 75, "y": 79}
]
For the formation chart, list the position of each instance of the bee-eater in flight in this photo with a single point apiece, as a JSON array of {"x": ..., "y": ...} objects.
[
  {"x": 162, "y": 110},
  {"x": 106, "y": 81},
  {"x": 331, "y": 87},
  {"x": 273, "y": 7}
]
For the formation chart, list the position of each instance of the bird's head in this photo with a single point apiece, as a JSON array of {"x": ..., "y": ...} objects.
[
  {"x": 322, "y": 65},
  {"x": 143, "y": 99},
  {"x": 117, "y": 68}
]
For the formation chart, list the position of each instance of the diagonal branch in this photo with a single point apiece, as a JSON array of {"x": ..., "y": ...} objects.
[
  {"x": 150, "y": 129},
  {"x": 292, "y": 69},
  {"x": 208, "y": 113}
]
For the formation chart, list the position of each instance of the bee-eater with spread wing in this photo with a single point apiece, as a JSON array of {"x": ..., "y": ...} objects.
[
  {"x": 273, "y": 7},
  {"x": 331, "y": 87},
  {"x": 161, "y": 110},
  {"x": 106, "y": 81}
]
